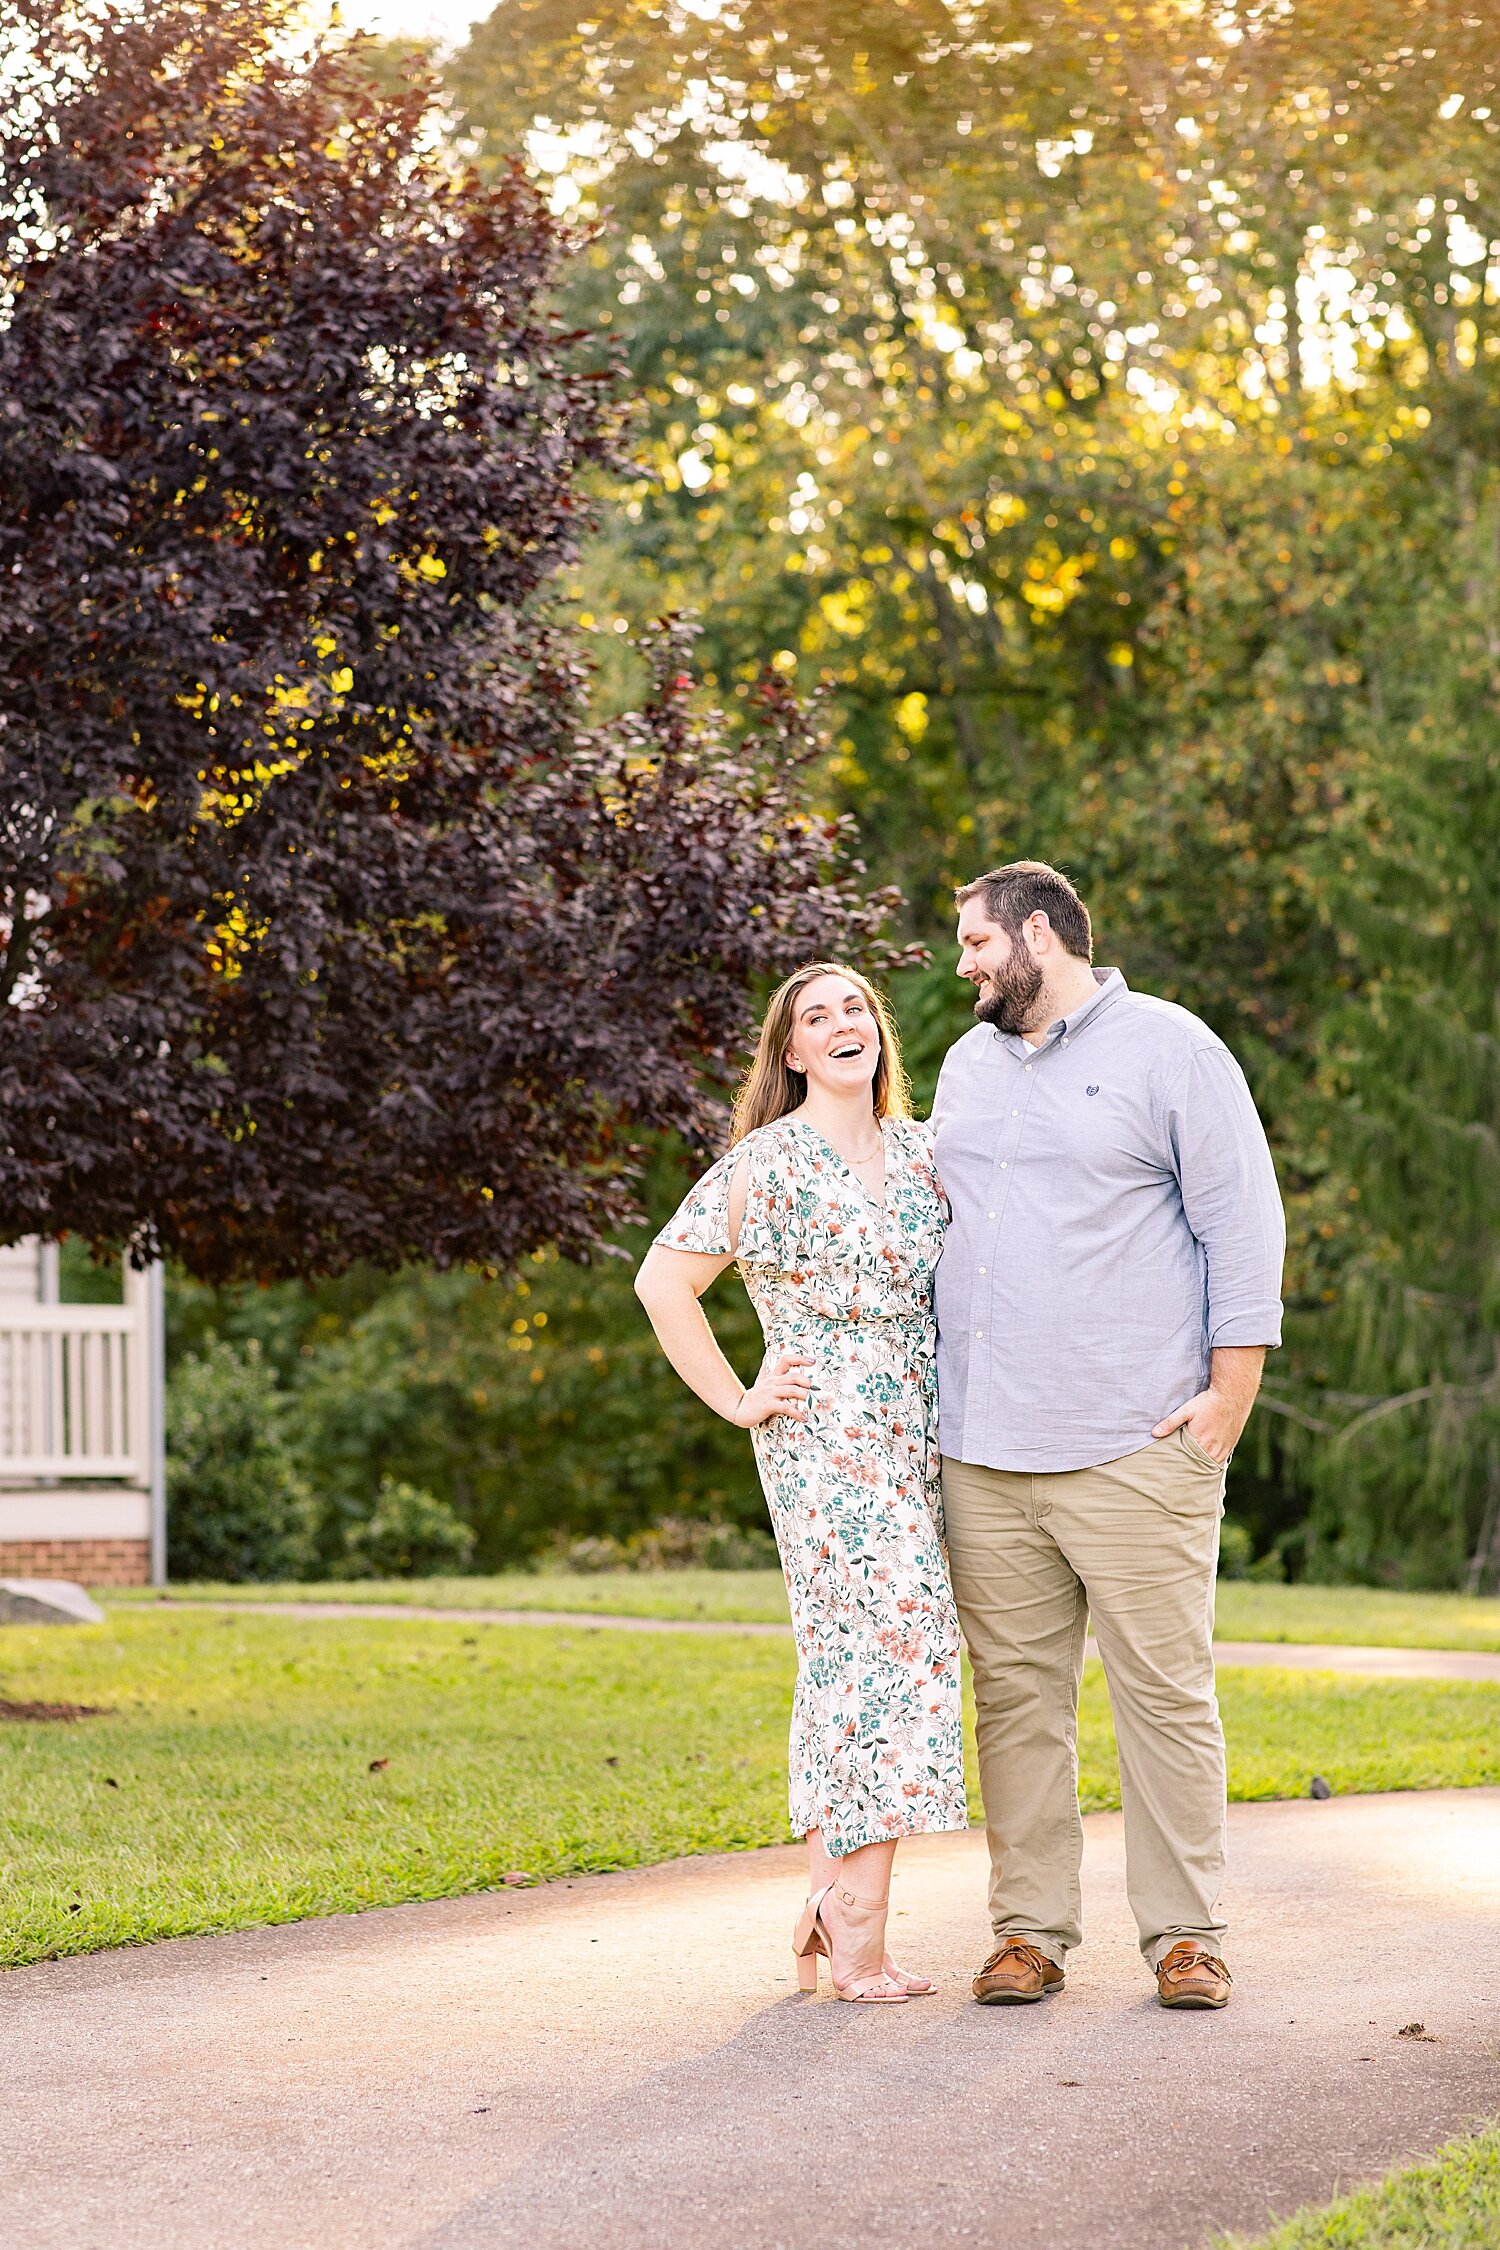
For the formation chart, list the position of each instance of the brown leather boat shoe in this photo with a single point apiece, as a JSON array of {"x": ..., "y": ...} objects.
[
  {"x": 1015, "y": 1973},
  {"x": 1192, "y": 1977}
]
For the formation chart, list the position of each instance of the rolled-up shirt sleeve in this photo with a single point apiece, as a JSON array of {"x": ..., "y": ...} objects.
[{"x": 1229, "y": 1197}]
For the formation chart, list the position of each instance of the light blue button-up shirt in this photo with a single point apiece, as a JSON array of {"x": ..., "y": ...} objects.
[{"x": 1115, "y": 1216}]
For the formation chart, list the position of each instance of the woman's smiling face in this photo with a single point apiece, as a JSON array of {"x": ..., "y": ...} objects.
[{"x": 836, "y": 1040}]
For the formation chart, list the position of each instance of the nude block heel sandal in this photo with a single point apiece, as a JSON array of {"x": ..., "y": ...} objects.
[
  {"x": 810, "y": 1940},
  {"x": 808, "y": 1944}
]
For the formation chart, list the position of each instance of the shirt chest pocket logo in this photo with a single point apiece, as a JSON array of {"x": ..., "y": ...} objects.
[{"x": 1091, "y": 1090}]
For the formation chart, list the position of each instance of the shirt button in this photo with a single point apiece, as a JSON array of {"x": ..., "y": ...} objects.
[
  {"x": 1030, "y": 1066},
  {"x": 1015, "y": 1113},
  {"x": 989, "y": 1214},
  {"x": 982, "y": 1269},
  {"x": 1005, "y": 1167},
  {"x": 1065, "y": 1041},
  {"x": 979, "y": 1333}
]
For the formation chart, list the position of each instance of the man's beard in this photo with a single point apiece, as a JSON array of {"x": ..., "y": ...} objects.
[{"x": 1011, "y": 994}]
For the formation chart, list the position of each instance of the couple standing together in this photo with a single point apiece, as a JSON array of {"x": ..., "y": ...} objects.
[{"x": 1068, "y": 1281}]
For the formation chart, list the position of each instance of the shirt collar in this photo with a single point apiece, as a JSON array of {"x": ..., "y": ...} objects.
[{"x": 1108, "y": 985}]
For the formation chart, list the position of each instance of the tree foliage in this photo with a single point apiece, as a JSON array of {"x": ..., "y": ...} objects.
[
  {"x": 335, "y": 926},
  {"x": 1103, "y": 406},
  {"x": 940, "y": 315},
  {"x": 536, "y": 1404}
]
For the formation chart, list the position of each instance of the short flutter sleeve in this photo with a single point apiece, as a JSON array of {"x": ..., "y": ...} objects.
[{"x": 701, "y": 1220}]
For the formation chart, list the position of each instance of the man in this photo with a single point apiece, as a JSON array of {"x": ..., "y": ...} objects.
[{"x": 1109, "y": 1287}]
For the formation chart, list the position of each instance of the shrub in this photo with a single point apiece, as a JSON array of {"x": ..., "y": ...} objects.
[
  {"x": 733, "y": 1548},
  {"x": 674, "y": 1543},
  {"x": 585, "y": 1557},
  {"x": 407, "y": 1534},
  {"x": 237, "y": 1507},
  {"x": 1236, "y": 1549},
  {"x": 538, "y": 1404},
  {"x": 689, "y": 1544}
]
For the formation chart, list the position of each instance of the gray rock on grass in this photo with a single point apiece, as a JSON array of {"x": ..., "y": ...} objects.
[{"x": 46, "y": 1601}]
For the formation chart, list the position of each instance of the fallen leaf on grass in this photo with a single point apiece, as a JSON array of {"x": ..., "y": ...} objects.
[
  {"x": 1418, "y": 2031},
  {"x": 378, "y": 1765},
  {"x": 517, "y": 1880},
  {"x": 110, "y": 1781}
]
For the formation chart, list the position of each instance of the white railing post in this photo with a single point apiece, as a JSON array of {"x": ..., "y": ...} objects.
[
  {"x": 76, "y": 1391},
  {"x": 82, "y": 1422}
]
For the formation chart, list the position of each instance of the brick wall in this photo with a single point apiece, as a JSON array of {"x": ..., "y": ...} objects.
[{"x": 91, "y": 1562}]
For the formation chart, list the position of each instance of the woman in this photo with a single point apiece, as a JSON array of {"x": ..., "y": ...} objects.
[{"x": 829, "y": 1201}]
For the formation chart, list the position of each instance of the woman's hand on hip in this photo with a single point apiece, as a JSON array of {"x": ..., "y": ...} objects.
[{"x": 779, "y": 1388}]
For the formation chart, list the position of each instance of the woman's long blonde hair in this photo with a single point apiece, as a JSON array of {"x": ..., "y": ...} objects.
[{"x": 771, "y": 1088}]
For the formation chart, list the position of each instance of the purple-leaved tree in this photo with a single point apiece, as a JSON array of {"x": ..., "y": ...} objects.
[{"x": 332, "y": 925}]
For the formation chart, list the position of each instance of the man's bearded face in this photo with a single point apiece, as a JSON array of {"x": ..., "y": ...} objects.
[{"x": 1010, "y": 989}]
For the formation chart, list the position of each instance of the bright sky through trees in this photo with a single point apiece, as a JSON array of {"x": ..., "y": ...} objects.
[{"x": 446, "y": 21}]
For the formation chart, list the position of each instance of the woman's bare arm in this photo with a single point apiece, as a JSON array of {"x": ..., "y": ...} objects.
[{"x": 669, "y": 1284}]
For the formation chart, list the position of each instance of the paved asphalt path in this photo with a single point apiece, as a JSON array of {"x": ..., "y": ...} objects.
[
  {"x": 623, "y": 2063},
  {"x": 1291, "y": 1656}
]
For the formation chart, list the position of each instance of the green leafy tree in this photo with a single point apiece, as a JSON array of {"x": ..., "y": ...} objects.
[
  {"x": 1396, "y": 1416},
  {"x": 1103, "y": 407},
  {"x": 936, "y": 318}
]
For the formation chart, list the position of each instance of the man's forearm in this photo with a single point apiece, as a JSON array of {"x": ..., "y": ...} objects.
[{"x": 1235, "y": 1372}]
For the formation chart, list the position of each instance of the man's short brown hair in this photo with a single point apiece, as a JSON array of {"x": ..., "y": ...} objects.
[{"x": 1013, "y": 894}]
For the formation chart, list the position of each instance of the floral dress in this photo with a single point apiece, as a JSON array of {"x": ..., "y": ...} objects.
[{"x": 876, "y": 1744}]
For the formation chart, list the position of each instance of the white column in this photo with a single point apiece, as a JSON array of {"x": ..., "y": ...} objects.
[
  {"x": 154, "y": 1324},
  {"x": 145, "y": 1294}
]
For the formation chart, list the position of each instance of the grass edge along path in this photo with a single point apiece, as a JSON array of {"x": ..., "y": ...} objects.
[
  {"x": 1451, "y": 2201},
  {"x": 1348, "y": 1616},
  {"x": 249, "y": 1772}
]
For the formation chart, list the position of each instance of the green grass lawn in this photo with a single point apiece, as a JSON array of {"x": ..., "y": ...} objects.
[
  {"x": 1346, "y": 1614},
  {"x": 234, "y": 1779},
  {"x": 1359, "y": 1614},
  {"x": 1452, "y": 2202}
]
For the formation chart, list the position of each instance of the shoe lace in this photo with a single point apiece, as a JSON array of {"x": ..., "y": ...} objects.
[
  {"x": 1030, "y": 1955},
  {"x": 1184, "y": 1958}
]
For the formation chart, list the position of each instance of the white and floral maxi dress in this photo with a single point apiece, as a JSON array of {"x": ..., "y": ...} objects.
[{"x": 876, "y": 1742}]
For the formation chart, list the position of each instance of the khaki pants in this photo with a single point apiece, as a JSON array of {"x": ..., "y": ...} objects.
[{"x": 1133, "y": 1545}]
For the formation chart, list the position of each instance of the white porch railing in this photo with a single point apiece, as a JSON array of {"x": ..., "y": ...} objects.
[{"x": 74, "y": 1392}]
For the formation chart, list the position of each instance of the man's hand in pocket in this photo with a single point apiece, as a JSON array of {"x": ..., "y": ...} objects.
[{"x": 1218, "y": 1415}]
